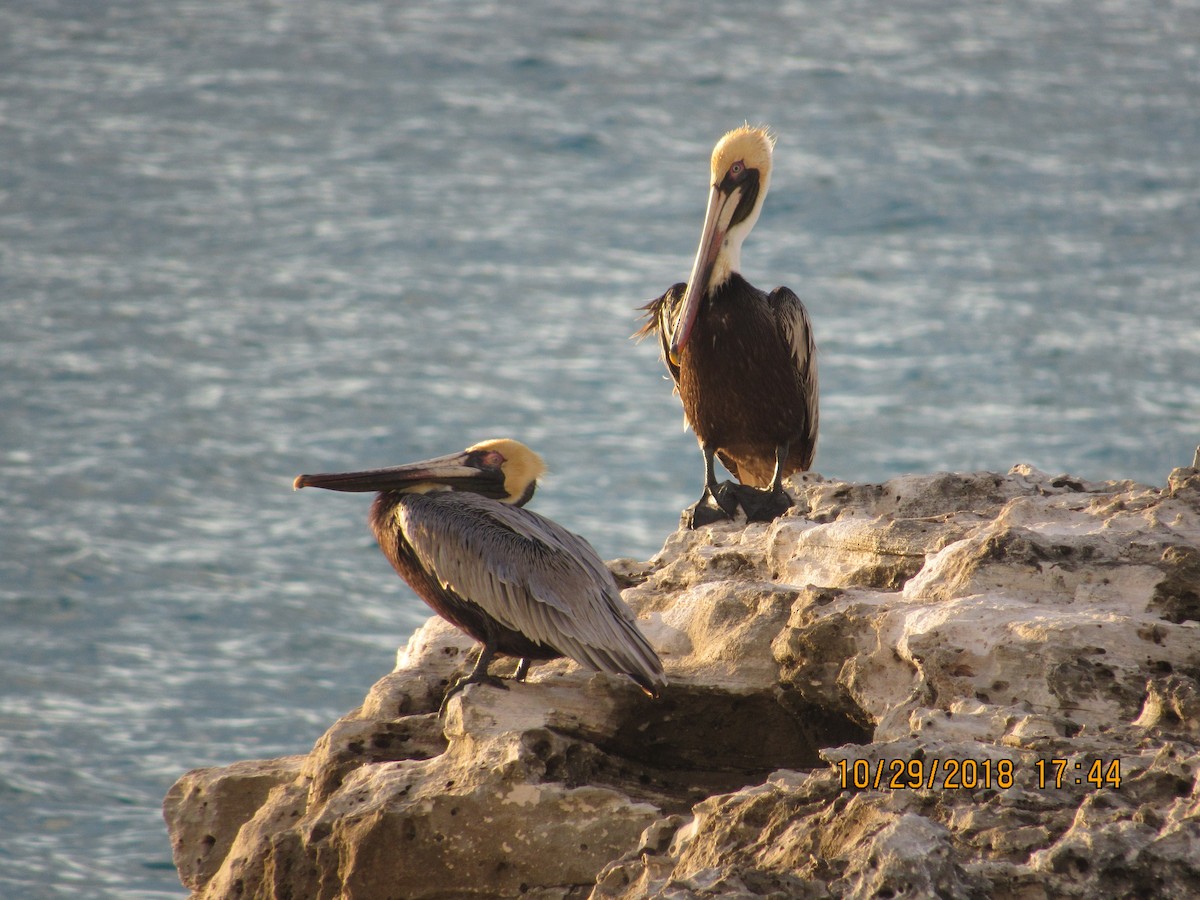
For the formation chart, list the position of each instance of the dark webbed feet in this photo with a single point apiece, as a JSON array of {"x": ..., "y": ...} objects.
[
  {"x": 760, "y": 505},
  {"x": 720, "y": 502},
  {"x": 719, "y": 505},
  {"x": 722, "y": 505},
  {"x": 479, "y": 675}
]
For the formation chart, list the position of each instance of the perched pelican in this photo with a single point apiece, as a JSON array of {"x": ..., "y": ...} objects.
[
  {"x": 521, "y": 585},
  {"x": 743, "y": 361}
]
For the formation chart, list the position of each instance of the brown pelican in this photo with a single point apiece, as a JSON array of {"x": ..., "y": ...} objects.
[
  {"x": 743, "y": 361},
  {"x": 518, "y": 583}
]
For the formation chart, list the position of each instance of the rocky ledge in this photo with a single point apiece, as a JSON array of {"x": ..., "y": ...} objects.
[{"x": 953, "y": 685}]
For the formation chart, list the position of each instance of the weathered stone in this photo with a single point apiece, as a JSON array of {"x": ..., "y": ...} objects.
[
  {"x": 950, "y": 685},
  {"x": 206, "y": 807}
]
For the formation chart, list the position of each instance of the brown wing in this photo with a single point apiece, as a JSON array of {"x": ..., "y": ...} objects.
[
  {"x": 661, "y": 314},
  {"x": 796, "y": 327}
]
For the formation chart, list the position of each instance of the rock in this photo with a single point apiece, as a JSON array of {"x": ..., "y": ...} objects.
[
  {"x": 974, "y": 685},
  {"x": 206, "y": 807}
]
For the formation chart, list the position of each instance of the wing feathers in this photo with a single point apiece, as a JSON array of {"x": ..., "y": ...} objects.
[
  {"x": 796, "y": 327},
  {"x": 531, "y": 575},
  {"x": 661, "y": 314}
]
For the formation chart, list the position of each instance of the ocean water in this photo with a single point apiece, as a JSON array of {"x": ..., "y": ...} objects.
[{"x": 240, "y": 241}]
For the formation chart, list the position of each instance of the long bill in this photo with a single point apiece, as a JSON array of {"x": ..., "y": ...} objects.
[
  {"x": 455, "y": 471},
  {"x": 721, "y": 207}
]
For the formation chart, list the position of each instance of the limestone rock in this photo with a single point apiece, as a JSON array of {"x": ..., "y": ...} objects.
[
  {"x": 952, "y": 685},
  {"x": 206, "y": 807}
]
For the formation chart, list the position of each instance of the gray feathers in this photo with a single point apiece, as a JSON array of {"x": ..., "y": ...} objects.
[{"x": 531, "y": 575}]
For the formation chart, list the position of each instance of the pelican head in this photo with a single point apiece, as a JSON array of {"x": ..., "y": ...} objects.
[
  {"x": 741, "y": 172},
  {"x": 501, "y": 468}
]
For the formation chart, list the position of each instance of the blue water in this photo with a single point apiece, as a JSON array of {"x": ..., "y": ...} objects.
[{"x": 240, "y": 241}]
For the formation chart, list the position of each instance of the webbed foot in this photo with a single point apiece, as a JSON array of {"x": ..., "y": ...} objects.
[
  {"x": 723, "y": 504},
  {"x": 479, "y": 675},
  {"x": 760, "y": 505},
  {"x": 720, "y": 505}
]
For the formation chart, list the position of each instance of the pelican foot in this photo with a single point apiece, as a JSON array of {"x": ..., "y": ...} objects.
[
  {"x": 703, "y": 512},
  {"x": 760, "y": 505},
  {"x": 473, "y": 678},
  {"x": 713, "y": 506}
]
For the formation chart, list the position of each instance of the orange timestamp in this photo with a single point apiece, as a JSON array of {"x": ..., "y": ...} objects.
[{"x": 973, "y": 774}]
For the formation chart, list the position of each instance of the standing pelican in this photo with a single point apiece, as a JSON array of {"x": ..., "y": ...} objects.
[
  {"x": 743, "y": 361},
  {"x": 521, "y": 585}
]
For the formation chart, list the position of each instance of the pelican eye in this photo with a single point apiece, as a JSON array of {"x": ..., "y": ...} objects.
[
  {"x": 737, "y": 169},
  {"x": 491, "y": 459}
]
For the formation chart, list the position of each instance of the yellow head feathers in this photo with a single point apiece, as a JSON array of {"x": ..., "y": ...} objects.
[
  {"x": 521, "y": 466},
  {"x": 749, "y": 145}
]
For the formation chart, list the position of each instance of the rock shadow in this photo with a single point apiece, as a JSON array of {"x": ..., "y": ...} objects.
[{"x": 697, "y": 740}]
